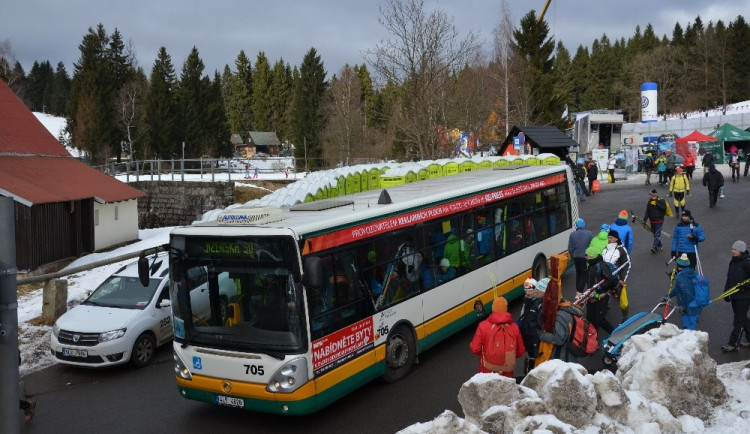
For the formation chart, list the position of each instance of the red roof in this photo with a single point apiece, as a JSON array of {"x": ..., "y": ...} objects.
[
  {"x": 35, "y": 168},
  {"x": 696, "y": 136}
]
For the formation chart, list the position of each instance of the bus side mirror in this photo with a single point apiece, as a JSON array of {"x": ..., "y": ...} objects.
[
  {"x": 143, "y": 269},
  {"x": 312, "y": 275}
]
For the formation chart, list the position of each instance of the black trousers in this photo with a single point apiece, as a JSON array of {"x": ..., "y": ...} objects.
[
  {"x": 596, "y": 313},
  {"x": 712, "y": 196},
  {"x": 581, "y": 273},
  {"x": 741, "y": 321}
]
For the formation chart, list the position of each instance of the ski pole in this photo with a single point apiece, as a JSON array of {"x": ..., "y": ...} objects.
[
  {"x": 731, "y": 291},
  {"x": 587, "y": 294}
]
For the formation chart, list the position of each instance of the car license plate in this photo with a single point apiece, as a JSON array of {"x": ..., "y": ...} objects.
[
  {"x": 230, "y": 401},
  {"x": 74, "y": 353}
]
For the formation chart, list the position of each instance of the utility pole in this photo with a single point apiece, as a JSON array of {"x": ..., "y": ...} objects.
[{"x": 10, "y": 391}]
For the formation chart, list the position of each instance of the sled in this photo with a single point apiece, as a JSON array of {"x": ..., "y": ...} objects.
[{"x": 637, "y": 324}]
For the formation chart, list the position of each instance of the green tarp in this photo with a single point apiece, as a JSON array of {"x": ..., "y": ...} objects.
[{"x": 727, "y": 134}]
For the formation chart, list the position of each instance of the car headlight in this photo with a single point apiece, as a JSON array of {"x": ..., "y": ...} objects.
[
  {"x": 55, "y": 330},
  {"x": 112, "y": 335}
]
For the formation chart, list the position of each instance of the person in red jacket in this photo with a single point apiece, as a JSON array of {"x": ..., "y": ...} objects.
[
  {"x": 689, "y": 165},
  {"x": 486, "y": 330}
]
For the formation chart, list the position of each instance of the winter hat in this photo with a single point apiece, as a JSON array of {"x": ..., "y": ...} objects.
[
  {"x": 687, "y": 213},
  {"x": 530, "y": 283},
  {"x": 500, "y": 305},
  {"x": 739, "y": 245},
  {"x": 668, "y": 152},
  {"x": 653, "y": 193},
  {"x": 604, "y": 227},
  {"x": 542, "y": 284},
  {"x": 614, "y": 233},
  {"x": 683, "y": 261},
  {"x": 592, "y": 252},
  {"x": 580, "y": 223},
  {"x": 623, "y": 215},
  {"x": 679, "y": 170},
  {"x": 445, "y": 262},
  {"x": 371, "y": 255}
]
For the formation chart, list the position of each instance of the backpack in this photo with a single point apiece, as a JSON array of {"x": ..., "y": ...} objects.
[
  {"x": 500, "y": 355},
  {"x": 702, "y": 293},
  {"x": 606, "y": 271},
  {"x": 649, "y": 161},
  {"x": 583, "y": 338}
]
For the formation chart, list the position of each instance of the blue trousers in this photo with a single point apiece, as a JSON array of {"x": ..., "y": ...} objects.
[
  {"x": 656, "y": 230},
  {"x": 690, "y": 322}
]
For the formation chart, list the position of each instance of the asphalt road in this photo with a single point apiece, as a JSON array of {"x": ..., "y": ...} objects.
[{"x": 126, "y": 400}]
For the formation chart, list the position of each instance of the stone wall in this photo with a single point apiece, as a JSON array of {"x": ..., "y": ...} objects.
[{"x": 176, "y": 203}]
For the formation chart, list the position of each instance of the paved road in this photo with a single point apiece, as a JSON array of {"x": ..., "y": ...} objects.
[{"x": 125, "y": 400}]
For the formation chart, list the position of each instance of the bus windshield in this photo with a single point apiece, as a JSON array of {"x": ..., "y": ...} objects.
[{"x": 240, "y": 294}]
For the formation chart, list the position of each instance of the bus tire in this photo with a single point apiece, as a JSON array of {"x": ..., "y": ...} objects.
[
  {"x": 400, "y": 353},
  {"x": 539, "y": 269},
  {"x": 143, "y": 351}
]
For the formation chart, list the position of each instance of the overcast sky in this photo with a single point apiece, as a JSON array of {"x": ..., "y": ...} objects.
[{"x": 340, "y": 30}]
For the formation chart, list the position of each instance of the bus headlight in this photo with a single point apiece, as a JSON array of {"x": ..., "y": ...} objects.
[
  {"x": 289, "y": 378},
  {"x": 180, "y": 369}
]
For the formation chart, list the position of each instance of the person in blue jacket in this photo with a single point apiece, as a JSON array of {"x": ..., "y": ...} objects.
[
  {"x": 445, "y": 272},
  {"x": 578, "y": 242},
  {"x": 687, "y": 235},
  {"x": 684, "y": 292},
  {"x": 623, "y": 228}
]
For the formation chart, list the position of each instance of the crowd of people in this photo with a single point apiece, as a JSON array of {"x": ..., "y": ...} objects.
[{"x": 602, "y": 265}]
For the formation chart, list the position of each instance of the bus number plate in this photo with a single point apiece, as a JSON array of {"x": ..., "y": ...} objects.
[{"x": 230, "y": 401}]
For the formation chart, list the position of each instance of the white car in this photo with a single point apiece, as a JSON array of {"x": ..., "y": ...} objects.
[{"x": 120, "y": 321}]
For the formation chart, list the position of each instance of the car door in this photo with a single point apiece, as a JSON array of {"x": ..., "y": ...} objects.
[{"x": 163, "y": 315}]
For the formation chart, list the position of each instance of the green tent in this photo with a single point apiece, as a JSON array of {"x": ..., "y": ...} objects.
[{"x": 728, "y": 135}]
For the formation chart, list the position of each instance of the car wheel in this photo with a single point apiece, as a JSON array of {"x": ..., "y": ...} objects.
[
  {"x": 143, "y": 350},
  {"x": 400, "y": 353}
]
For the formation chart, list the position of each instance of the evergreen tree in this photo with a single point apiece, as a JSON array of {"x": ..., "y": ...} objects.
[
  {"x": 579, "y": 72},
  {"x": 261, "y": 94},
  {"x": 307, "y": 120},
  {"x": 160, "y": 114},
  {"x": 60, "y": 92},
  {"x": 536, "y": 101},
  {"x": 280, "y": 94},
  {"x": 192, "y": 101},
  {"x": 240, "y": 97},
  {"x": 91, "y": 122},
  {"x": 217, "y": 131},
  {"x": 563, "y": 84},
  {"x": 368, "y": 94},
  {"x": 739, "y": 59},
  {"x": 40, "y": 86}
]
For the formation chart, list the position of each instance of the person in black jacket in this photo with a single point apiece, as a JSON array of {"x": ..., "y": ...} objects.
[
  {"x": 739, "y": 271},
  {"x": 592, "y": 171},
  {"x": 707, "y": 161},
  {"x": 714, "y": 180},
  {"x": 655, "y": 210}
]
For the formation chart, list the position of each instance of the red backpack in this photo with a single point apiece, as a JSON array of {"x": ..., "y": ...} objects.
[
  {"x": 500, "y": 355},
  {"x": 583, "y": 338}
]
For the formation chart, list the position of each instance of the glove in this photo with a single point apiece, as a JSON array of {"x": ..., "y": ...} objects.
[
  {"x": 664, "y": 300},
  {"x": 727, "y": 299}
]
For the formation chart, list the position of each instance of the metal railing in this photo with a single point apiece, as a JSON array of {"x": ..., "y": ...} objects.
[{"x": 158, "y": 170}]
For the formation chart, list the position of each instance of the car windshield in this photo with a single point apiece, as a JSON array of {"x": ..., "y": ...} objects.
[
  {"x": 123, "y": 292},
  {"x": 238, "y": 294}
]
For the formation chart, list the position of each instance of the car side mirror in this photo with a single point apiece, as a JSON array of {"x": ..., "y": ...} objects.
[{"x": 165, "y": 303}]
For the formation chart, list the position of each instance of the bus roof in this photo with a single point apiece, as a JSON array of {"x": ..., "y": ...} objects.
[{"x": 340, "y": 212}]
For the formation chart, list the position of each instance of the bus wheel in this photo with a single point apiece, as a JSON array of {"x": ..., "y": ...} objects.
[
  {"x": 400, "y": 353},
  {"x": 539, "y": 269}
]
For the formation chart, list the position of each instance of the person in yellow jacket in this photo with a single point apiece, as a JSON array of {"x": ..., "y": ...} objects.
[{"x": 679, "y": 188}]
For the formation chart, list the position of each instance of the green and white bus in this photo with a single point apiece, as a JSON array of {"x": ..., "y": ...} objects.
[{"x": 310, "y": 302}]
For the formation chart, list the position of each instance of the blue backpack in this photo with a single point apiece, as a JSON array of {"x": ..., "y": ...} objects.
[{"x": 702, "y": 293}]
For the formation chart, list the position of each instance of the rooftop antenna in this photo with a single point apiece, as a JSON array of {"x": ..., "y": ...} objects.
[{"x": 385, "y": 198}]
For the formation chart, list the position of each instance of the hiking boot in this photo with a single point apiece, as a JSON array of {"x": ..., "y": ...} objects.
[
  {"x": 28, "y": 413},
  {"x": 745, "y": 344},
  {"x": 729, "y": 348},
  {"x": 654, "y": 250}
]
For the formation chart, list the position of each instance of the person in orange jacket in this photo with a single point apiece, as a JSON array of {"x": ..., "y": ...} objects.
[{"x": 485, "y": 334}]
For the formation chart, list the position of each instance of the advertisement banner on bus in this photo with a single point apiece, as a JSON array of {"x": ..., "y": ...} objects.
[
  {"x": 370, "y": 229},
  {"x": 343, "y": 345}
]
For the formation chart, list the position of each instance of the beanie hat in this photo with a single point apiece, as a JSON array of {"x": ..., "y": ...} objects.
[
  {"x": 500, "y": 305},
  {"x": 604, "y": 227},
  {"x": 668, "y": 152},
  {"x": 739, "y": 245},
  {"x": 623, "y": 215},
  {"x": 371, "y": 255},
  {"x": 687, "y": 213},
  {"x": 445, "y": 262},
  {"x": 542, "y": 284},
  {"x": 592, "y": 252},
  {"x": 580, "y": 223},
  {"x": 614, "y": 233},
  {"x": 653, "y": 193},
  {"x": 683, "y": 261},
  {"x": 530, "y": 283},
  {"x": 679, "y": 170}
]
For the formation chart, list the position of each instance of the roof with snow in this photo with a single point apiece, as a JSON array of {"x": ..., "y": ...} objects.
[{"x": 36, "y": 168}]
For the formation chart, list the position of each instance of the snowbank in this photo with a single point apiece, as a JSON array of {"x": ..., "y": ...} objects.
[{"x": 665, "y": 382}]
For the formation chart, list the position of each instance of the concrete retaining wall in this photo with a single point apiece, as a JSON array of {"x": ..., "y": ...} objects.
[{"x": 176, "y": 203}]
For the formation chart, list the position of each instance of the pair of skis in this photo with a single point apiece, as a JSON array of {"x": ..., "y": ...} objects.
[
  {"x": 645, "y": 224},
  {"x": 586, "y": 296}
]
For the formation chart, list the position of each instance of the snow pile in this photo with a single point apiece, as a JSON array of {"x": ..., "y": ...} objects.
[{"x": 666, "y": 382}]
